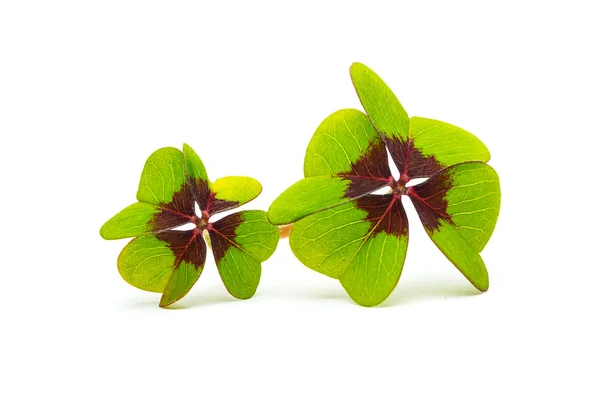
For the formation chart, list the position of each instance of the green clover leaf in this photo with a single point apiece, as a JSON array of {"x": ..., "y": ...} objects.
[
  {"x": 345, "y": 231},
  {"x": 169, "y": 261}
]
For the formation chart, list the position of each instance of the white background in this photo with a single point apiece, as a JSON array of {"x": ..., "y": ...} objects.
[{"x": 89, "y": 89}]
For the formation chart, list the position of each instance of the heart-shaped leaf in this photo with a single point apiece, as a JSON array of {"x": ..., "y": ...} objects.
[
  {"x": 345, "y": 160},
  {"x": 419, "y": 146},
  {"x": 362, "y": 243},
  {"x": 241, "y": 241},
  {"x": 458, "y": 207},
  {"x": 232, "y": 191},
  {"x": 169, "y": 261}
]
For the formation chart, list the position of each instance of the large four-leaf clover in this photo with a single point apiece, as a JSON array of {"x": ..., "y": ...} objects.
[
  {"x": 343, "y": 230},
  {"x": 163, "y": 259}
]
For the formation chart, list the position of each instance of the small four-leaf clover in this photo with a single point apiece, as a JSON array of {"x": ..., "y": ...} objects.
[{"x": 163, "y": 259}]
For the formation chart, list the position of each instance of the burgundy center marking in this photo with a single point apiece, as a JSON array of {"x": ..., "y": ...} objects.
[
  {"x": 222, "y": 234},
  {"x": 373, "y": 163},
  {"x": 187, "y": 246},
  {"x": 175, "y": 213},
  {"x": 369, "y": 173},
  {"x": 199, "y": 192},
  {"x": 385, "y": 212},
  {"x": 429, "y": 199},
  {"x": 217, "y": 205},
  {"x": 410, "y": 161}
]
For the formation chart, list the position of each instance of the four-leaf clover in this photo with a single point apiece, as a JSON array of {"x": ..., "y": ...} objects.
[
  {"x": 163, "y": 259},
  {"x": 343, "y": 230}
]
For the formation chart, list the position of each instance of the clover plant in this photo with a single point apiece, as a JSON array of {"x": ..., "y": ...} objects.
[
  {"x": 175, "y": 191},
  {"x": 344, "y": 230}
]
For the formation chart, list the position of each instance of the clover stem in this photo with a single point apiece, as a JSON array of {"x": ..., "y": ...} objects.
[
  {"x": 284, "y": 230},
  {"x": 206, "y": 237}
]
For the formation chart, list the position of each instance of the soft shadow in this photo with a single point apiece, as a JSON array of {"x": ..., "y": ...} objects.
[
  {"x": 412, "y": 292},
  {"x": 328, "y": 294},
  {"x": 201, "y": 299},
  {"x": 405, "y": 293},
  {"x": 310, "y": 294}
]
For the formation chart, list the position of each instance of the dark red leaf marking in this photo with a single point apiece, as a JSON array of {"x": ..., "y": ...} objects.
[
  {"x": 166, "y": 219},
  {"x": 199, "y": 192},
  {"x": 206, "y": 198},
  {"x": 187, "y": 246},
  {"x": 373, "y": 163},
  {"x": 410, "y": 161},
  {"x": 369, "y": 173},
  {"x": 175, "y": 213},
  {"x": 385, "y": 212},
  {"x": 361, "y": 186},
  {"x": 222, "y": 234},
  {"x": 430, "y": 201},
  {"x": 215, "y": 205},
  {"x": 181, "y": 209}
]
